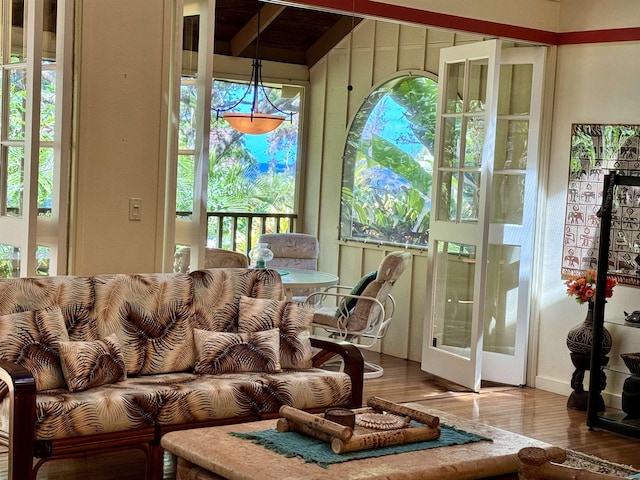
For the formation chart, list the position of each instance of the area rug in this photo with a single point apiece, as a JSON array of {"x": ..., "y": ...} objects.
[
  {"x": 598, "y": 465},
  {"x": 291, "y": 444}
]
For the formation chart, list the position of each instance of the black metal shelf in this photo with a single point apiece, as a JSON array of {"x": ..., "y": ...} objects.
[{"x": 618, "y": 422}]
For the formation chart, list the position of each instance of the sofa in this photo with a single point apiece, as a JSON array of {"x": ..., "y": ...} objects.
[{"x": 112, "y": 362}]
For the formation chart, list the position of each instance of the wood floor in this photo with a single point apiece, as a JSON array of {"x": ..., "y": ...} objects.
[{"x": 526, "y": 411}]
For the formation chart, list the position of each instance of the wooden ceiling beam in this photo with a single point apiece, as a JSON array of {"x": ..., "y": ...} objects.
[{"x": 247, "y": 34}]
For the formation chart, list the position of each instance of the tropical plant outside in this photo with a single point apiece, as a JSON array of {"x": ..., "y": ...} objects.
[{"x": 388, "y": 164}]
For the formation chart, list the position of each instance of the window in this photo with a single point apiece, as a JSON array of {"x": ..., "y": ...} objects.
[
  {"x": 253, "y": 174},
  {"x": 33, "y": 157},
  {"x": 388, "y": 163}
]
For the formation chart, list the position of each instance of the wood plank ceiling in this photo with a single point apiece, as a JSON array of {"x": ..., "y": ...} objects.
[{"x": 288, "y": 34}]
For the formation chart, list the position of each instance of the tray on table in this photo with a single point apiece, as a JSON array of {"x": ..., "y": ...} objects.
[{"x": 381, "y": 424}]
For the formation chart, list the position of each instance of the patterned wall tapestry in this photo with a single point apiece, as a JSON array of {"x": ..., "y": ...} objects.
[{"x": 597, "y": 150}]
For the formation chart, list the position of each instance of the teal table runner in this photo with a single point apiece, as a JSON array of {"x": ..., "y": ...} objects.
[{"x": 312, "y": 450}]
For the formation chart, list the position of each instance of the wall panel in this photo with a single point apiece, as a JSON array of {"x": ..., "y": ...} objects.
[
  {"x": 437, "y": 40},
  {"x": 386, "y": 44},
  {"x": 412, "y": 45}
]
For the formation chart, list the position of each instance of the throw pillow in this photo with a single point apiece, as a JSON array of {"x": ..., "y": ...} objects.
[
  {"x": 31, "y": 340},
  {"x": 347, "y": 305},
  {"x": 292, "y": 319},
  {"x": 91, "y": 364},
  {"x": 222, "y": 352}
]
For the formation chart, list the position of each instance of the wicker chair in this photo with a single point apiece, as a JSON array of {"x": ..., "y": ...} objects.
[{"x": 213, "y": 258}]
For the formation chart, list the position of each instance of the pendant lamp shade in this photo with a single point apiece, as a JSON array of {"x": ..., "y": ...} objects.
[{"x": 254, "y": 122}]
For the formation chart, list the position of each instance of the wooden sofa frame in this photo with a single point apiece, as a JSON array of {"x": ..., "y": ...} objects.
[{"x": 23, "y": 447}]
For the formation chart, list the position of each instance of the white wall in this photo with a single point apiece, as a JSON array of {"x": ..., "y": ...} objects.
[
  {"x": 594, "y": 84},
  {"x": 539, "y": 14},
  {"x": 120, "y": 136},
  {"x": 581, "y": 15}
]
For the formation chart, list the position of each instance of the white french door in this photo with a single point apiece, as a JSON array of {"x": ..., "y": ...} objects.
[
  {"x": 484, "y": 200},
  {"x": 35, "y": 121}
]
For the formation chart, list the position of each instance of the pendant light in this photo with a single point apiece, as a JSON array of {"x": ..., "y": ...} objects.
[{"x": 254, "y": 122}]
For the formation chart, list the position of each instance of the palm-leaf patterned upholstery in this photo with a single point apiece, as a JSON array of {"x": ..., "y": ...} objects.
[
  {"x": 151, "y": 317},
  {"x": 74, "y": 296}
]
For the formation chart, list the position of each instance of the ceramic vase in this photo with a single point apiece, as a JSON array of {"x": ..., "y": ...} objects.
[{"x": 580, "y": 337}]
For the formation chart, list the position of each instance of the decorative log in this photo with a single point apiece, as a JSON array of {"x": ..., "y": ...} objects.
[
  {"x": 383, "y": 439},
  {"x": 537, "y": 464},
  {"x": 313, "y": 422},
  {"x": 286, "y": 425},
  {"x": 422, "y": 417}
]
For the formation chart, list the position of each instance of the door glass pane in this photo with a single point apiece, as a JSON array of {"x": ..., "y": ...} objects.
[
  {"x": 18, "y": 32},
  {"x": 190, "y": 33},
  {"x": 501, "y": 299},
  {"x": 452, "y": 134},
  {"x": 477, "y": 94},
  {"x": 454, "y": 273},
  {"x": 507, "y": 199},
  {"x": 185, "y": 185},
  {"x": 474, "y": 139},
  {"x": 512, "y": 142},
  {"x": 45, "y": 182},
  {"x": 187, "y": 127},
  {"x": 43, "y": 255},
  {"x": 448, "y": 200},
  {"x": 470, "y": 197},
  {"x": 455, "y": 83},
  {"x": 17, "y": 104},
  {"x": 14, "y": 181},
  {"x": 48, "y": 105},
  {"x": 9, "y": 261},
  {"x": 514, "y": 97},
  {"x": 50, "y": 13}
]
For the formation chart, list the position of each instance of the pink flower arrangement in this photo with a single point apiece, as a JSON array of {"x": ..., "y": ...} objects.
[{"x": 583, "y": 287}]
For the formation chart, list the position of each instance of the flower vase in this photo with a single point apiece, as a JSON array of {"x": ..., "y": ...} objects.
[{"x": 580, "y": 337}]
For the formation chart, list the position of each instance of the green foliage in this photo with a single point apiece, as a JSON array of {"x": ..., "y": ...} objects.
[{"x": 385, "y": 193}]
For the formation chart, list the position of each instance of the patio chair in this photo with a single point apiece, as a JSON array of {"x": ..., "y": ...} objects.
[
  {"x": 213, "y": 258},
  {"x": 293, "y": 250},
  {"x": 361, "y": 314}
]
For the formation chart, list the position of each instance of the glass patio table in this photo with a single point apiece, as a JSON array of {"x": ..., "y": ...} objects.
[{"x": 294, "y": 278}]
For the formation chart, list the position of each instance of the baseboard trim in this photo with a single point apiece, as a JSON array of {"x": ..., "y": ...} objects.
[{"x": 612, "y": 400}]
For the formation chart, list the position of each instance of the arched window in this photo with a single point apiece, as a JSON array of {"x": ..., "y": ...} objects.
[{"x": 388, "y": 163}]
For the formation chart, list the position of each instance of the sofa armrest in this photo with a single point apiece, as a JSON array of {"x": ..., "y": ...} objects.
[
  {"x": 20, "y": 391},
  {"x": 353, "y": 363}
]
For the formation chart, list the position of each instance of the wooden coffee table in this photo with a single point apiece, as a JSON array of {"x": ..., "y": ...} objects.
[{"x": 211, "y": 453}]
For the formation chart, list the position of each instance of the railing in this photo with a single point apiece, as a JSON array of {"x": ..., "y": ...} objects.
[{"x": 239, "y": 231}]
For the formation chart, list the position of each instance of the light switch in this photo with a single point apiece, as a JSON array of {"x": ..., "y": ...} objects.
[{"x": 135, "y": 209}]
